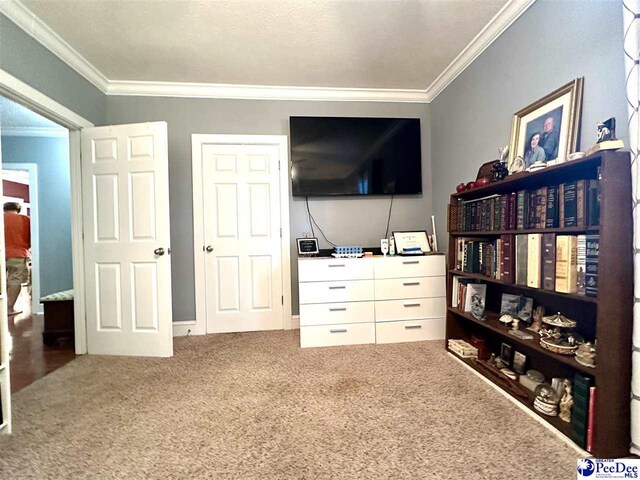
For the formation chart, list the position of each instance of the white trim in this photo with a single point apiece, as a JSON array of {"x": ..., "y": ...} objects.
[
  {"x": 15, "y": 89},
  {"x": 508, "y": 14},
  {"x": 40, "y": 31},
  {"x": 34, "y": 132},
  {"x": 295, "y": 322},
  {"x": 197, "y": 140},
  {"x": 264, "y": 92},
  {"x": 32, "y": 168},
  {"x": 547, "y": 425},
  {"x": 184, "y": 328},
  {"x": 20, "y": 92}
]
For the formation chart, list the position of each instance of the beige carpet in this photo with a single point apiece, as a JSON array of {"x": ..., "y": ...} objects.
[{"x": 255, "y": 406}]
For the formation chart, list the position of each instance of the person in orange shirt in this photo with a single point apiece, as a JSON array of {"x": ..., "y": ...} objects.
[{"x": 17, "y": 241}]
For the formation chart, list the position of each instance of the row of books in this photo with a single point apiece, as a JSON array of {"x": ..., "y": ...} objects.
[
  {"x": 583, "y": 411},
  {"x": 571, "y": 204},
  {"x": 561, "y": 263}
]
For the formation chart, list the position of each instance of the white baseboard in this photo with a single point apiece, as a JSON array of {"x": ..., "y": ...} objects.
[
  {"x": 183, "y": 328},
  {"x": 295, "y": 322}
]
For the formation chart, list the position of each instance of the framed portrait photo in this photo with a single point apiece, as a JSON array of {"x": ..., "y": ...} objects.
[{"x": 546, "y": 131}]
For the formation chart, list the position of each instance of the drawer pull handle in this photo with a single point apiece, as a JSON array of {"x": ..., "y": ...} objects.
[
  {"x": 341, "y": 309},
  {"x": 338, "y": 287},
  {"x": 410, "y": 284},
  {"x": 412, "y": 262},
  {"x": 411, "y": 305},
  {"x": 338, "y": 330},
  {"x": 337, "y": 265},
  {"x": 409, "y": 327}
]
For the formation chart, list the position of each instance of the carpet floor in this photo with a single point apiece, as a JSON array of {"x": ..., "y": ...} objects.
[{"x": 256, "y": 406}]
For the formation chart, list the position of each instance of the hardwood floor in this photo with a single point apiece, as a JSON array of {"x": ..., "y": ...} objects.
[{"x": 30, "y": 358}]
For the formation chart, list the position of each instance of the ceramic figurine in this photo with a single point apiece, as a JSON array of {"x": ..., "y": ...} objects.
[
  {"x": 514, "y": 324},
  {"x": 566, "y": 402},
  {"x": 607, "y": 130},
  {"x": 538, "y": 313}
]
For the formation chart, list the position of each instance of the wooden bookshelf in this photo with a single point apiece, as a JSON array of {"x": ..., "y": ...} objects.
[{"x": 607, "y": 318}]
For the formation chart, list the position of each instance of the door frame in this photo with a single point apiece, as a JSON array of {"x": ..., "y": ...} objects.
[
  {"x": 32, "y": 168},
  {"x": 199, "y": 326},
  {"x": 18, "y": 91}
]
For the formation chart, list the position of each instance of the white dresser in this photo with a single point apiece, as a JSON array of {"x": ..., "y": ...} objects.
[{"x": 371, "y": 300}]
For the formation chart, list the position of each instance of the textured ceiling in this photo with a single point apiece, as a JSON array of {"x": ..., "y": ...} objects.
[
  {"x": 14, "y": 115},
  {"x": 393, "y": 44}
]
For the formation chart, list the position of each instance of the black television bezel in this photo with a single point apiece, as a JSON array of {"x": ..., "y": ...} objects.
[{"x": 356, "y": 195}]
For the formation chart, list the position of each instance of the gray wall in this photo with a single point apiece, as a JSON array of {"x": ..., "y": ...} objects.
[
  {"x": 26, "y": 59},
  {"x": 550, "y": 45},
  {"x": 344, "y": 221},
  {"x": 54, "y": 204}
]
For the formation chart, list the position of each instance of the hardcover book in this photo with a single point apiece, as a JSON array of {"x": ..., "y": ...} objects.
[
  {"x": 521, "y": 259},
  {"x": 566, "y": 263},
  {"x": 591, "y": 277},
  {"x": 570, "y": 205},
  {"x": 581, "y": 203},
  {"x": 561, "y": 205},
  {"x": 581, "y": 264},
  {"x": 549, "y": 261},
  {"x": 543, "y": 208},
  {"x": 513, "y": 211},
  {"x": 534, "y": 250},
  {"x": 551, "y": 220},
  {"x": 522, "y": 214},
  {"x": 475, "y": 296},
  {"x": 507, "y": 260},
  {"x": 593, "y": 202}
]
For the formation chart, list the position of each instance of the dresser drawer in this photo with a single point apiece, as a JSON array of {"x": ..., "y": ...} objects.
[
  {"x": 410, "y": 330},
  {"x": 400, "y": 267},
  {"x": 335, "y": 313},
  {"x": 415, "y": 308},
  {"x": 336, "y": 292},
  {"x": 323, "y": 269},
  {"x": 341, "y": 334},
  {"x": 407, "y": 288}
]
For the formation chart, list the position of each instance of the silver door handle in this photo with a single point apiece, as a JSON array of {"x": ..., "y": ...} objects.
[
  {"x": 342, "y": 309},
  {"x": 338, "y": 330},
  {"x": 409, "y": 327},
  {"x": 409, "y": 284},
  {"x": 413, "y": 262},
  {"x": 159, "y": 251},
  {"x": 209, "y": 248},
  {"x": 411, "y": 305},
  {"x": 337, "y": 288}
]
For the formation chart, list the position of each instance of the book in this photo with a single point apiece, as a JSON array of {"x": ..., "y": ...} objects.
[
  {"x": 475, "y": 295},
  {"x": 542, "y": 221},
  {"x": 508, "y": 259},
  {"x": 593, "y": 202},
  {"x": 591, "y": 419},
  {"x": 570, "y": 205},
  {"x": 581, "y": 264},
  {"x": 549, "y": 261},
  {"x": 534, "y": 253},
  {"x": 566, "y": 260},
  {"x": 513, "y": 211},
  {"x": 521, "y": 259},
  {"x": 560, "y": 200},
  {"x": 551, "y": 219},
  {"x": 581, "y": 203},
  {"x": 498, "y": 259},
  {"x": 591, "y": 269},
  {"x": 522, "y": 215},
  {"x": 606, "y": 145}
]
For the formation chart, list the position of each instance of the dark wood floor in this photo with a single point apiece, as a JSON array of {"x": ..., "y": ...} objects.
[{"x": 31, "y": 359}]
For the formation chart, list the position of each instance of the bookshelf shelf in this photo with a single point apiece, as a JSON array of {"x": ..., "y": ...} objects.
[
  {"x": 492, "y": 323},
  {"x": 606, "y": 318},
  {"x": 484, "y": 278}
]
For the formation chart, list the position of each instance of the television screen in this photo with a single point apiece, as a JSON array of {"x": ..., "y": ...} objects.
[{"x": 355, "y": 156}]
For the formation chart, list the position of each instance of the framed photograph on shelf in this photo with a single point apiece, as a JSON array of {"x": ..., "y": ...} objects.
[
  {"x": 546, "y": 131},
  {"x": 519, "y": 363},
  {"x": 506, "y": 353},
  {"x": 307, "y": 247},
  {"x": 412, "y": 243}
]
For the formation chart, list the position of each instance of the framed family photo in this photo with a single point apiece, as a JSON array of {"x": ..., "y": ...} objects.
[{"x": 546, "y": 131}]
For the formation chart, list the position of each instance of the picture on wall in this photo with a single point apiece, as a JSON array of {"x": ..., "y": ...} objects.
[{"x": 546, "y": 131}]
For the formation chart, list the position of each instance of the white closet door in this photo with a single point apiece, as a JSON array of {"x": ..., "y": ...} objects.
[
  {"x": 126, "y": 240},
  {"x": 241, "y": 195}
]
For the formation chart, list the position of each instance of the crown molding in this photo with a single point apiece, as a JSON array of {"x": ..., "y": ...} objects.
[
  {"x": 56, "y": 132},
  {"x": 502, "y": 20},
  {"x": 264, "y": 92},
  {"x": 40, "y": 31}
]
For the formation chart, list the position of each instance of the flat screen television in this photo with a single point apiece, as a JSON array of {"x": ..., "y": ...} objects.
[{"x": 355, "y": 156}]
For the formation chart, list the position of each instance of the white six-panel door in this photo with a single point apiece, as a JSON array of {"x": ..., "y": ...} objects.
[
  {"x": 242, "y": 229},
  {"x": 126, "y": 239}
]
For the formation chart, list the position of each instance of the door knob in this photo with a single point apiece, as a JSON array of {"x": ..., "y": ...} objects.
[
  {"x": 209, "y": 248},
  {"x": 159, "y": 251}
]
